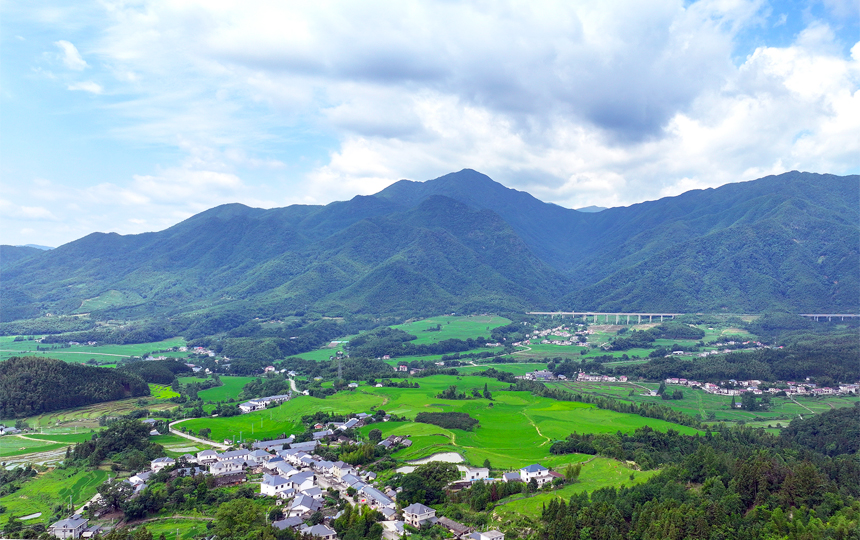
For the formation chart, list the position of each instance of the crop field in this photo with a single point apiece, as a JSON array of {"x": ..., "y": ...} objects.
[
  {"x": 160, "y": 391},
  {"x": 175, "y": 446},
  {"x": 452, "y": 327},
  {"x": 19, "y": 445},
  {"x": 188, "y": 528},
  {"x": 596, "y": 474},
  {"x": 82, "y": 353},
  {"x": 230, "y": 389},
  {"x": 87, "y": 417},
  {"x": 516, "y": 427},
  {"x": 55, "y": 486},
  {"x": 698, "y": 402},
  {"x": 519, "y": 368}
]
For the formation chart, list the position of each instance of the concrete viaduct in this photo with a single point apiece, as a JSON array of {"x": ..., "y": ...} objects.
[
  {"x": 624, "y": 318},
  {"x": 619, "y": 317}
]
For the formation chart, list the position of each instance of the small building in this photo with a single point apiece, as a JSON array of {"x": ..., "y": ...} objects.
[
  {"x": 72, "y": 527},
  {"x": 320, "y": 531},
  {"x": 487, "y": 535},
  {"x": 288, "y": 523},
  {"x": 457, "y": 529},
  {"x": 274, "y": 485},
  {"x": 416, "y": 514},
  {"x": 160, "y": 463}
]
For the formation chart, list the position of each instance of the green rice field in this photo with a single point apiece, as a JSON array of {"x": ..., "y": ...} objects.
[
  {"x": 188, "y": 528},
  {"x": 47, "y": 489},
  {"x": 518, "y": 427},
  {"x": 698, "y": 402},
  {"x": 19, "y": 445},
  {"x": 230, "y": 389},
  {"x": 82, "y": 353}
]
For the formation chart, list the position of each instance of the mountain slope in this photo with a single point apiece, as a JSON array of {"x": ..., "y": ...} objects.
[{"x": 465, "y": 243}]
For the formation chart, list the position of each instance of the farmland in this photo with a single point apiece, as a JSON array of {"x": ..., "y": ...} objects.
[
  {"x": 230, "y": 388},
  {"x": 713, "y": 407},
  {"x": 52, "y": 487},
  {"x": 83, "y": 352},
  {"x": 516, "y": 427}
]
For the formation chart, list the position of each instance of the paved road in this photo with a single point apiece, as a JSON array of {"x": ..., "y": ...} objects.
[{"x": 195, "y": 439}]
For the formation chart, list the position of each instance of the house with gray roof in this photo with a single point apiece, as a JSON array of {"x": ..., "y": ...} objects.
[
  {"x": 274, "y": 485},
  {"x": 72, "y": 527},
  {"x": 416, "y": 514},
  {"x": 289, "y": 523},
  {"x": 320, "y": 531},
  {"x": 274, "y": 444}
]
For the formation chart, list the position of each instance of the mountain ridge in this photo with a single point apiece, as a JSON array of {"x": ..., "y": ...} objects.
[{"x": 463, "y": 241}]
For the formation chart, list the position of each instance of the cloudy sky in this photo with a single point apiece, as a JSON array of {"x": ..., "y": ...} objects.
[{"x": 130, "y": 116}]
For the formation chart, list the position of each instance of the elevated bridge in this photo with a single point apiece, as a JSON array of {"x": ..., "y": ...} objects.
[
  {"x": 608, "y": 318},
  {"x": 830, "y": 316}
]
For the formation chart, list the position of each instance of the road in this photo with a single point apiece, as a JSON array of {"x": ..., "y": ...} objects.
[
  {"x": 293, "y": 386},
  {"x": 195, "y": 439}
]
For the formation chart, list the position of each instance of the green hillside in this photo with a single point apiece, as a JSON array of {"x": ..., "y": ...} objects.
[{"x": 461, "y": 243}]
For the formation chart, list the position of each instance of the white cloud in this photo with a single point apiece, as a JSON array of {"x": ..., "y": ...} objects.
[
  {"x": 87, "y": 86},
  {"x": 576, "y": 102},
  {"x": 71, "y": 57}
]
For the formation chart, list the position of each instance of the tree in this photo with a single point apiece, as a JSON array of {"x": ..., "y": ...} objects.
[
  {"x": 276, "y": 514},
  {"x": 532, "y": 485},
  {"x": 237, "y": 519},
  {"x": 375, "y": 435},
  {"x": 114, "y": 494},
  {"x": 662, "y": 388},
  {"x": 487, "y": 463},
  {"x": 572, "y": 471},
  {"x": 205, "y": 432}
]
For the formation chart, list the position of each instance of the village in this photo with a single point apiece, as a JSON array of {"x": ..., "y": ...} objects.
[{"x": 301, "y": 482}]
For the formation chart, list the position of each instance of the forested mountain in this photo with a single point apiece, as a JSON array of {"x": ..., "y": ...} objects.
[
  {"x": 33, "y": 385},
  {"x": 465, "y": 243},
  {"x": 12, "y": 254}
]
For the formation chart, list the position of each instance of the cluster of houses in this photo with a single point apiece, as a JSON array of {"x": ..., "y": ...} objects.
[
  {"x": 584, "y": 377},
  {"x": 737, "y": 388},
  {"x": 542, "y": 337}
]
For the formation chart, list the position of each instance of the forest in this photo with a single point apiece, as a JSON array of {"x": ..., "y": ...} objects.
[{"x": 34, "y": 385}]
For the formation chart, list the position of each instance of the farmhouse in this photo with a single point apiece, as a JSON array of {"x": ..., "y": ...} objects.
[
  {"x": 160, "y": 463},
  {"x": 416, "y": 514},
  {"x": 320, "y": 531},
  {"x": 72, "y": 527}
]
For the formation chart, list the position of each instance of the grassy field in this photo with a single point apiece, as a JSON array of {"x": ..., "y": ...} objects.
[
  {"x": 47, "y": 489},
  {"x": 519, "y": 368},
  {"x": 175, "y": 446},
  {"x": 517, "y": 428},
  {"x": 230, "y": 389},
  {"x": 82, "y": 353},
  {"x": 596, "y": 474}
]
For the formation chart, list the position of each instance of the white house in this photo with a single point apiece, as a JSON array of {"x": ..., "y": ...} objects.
[
  {"x": 416, "y": 514},
  {"x": 160, "y": 463},
  {"x": 487, "y": 535},
  {"x": 274, "y": 485},
  {"x": 72, "y": 527},
  {"x": 533, "y": 471}
]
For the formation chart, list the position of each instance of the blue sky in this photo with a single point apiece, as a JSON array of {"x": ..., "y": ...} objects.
[{"x": 131, "y": 116}]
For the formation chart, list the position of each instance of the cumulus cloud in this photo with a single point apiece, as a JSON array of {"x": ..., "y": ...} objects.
[
  {"x": 70, "y": 56},
  {"x": 578, "y": 103}
]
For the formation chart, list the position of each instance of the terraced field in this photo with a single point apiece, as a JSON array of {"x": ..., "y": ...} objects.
[
  {"x": 81, "y": 353},
  {"x": 52, "y": 487}
]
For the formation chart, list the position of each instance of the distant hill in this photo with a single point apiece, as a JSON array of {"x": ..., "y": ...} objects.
[
  {"x": 591, "y": 209},
  {"x": 465, "y": 243},
  {"x": 12, "y": 254}
]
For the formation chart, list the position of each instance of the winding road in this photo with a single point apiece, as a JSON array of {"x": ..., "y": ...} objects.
[{"x": 195, "y": 439}]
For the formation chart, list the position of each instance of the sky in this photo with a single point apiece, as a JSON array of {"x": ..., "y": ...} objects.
[{"x": 130, "y": 116}]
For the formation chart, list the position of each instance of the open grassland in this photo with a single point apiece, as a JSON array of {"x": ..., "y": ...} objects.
[
  {"x": 53, "y": 487},
  {"x": 514, "y": 428},
  {"x": 713, "y": 407},
  {"x": 188, "y": 528},
  {"x": 596, "y": 474},
  {"x": 81, "y": 353},
  {"x": 230, "y": 388}
]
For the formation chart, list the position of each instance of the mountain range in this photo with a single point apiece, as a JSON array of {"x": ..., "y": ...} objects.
[{"x": 465, "y": 243}]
